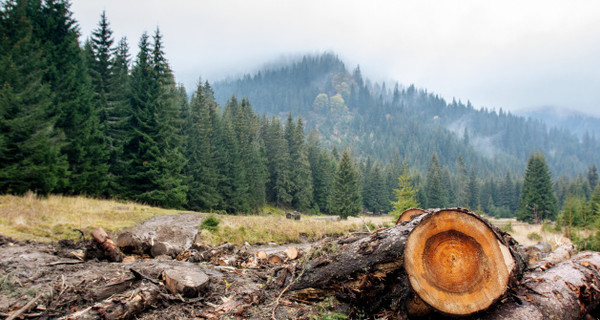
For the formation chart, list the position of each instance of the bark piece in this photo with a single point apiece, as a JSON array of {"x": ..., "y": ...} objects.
[
  {"x": 408, "y": 214},
  {"x": 567, "y": 291},
  {"x": 189, "y": 281},
  {"x": 562, "y": 253},
  {"x": 108, "y": 245},
  {"x": 456, "y": 263}
]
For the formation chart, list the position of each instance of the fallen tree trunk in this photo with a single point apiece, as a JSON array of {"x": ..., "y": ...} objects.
[
  {"x": 457, "y": 262},
  {"x": 568, "y": 291}
]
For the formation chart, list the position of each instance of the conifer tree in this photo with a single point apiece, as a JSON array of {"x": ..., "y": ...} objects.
[
  {"x": 153, "y": 150},
  {"x": 301, "y": 178},
  {"x": 345, "y": 198},
  {"x": 30, "y": 156},
  {"x": 538, "y": 201},
  {"x": 462, "y": 182},
  {"x": 405, "y": 194},
  {"x": 434, "y": 190},
  {"x": 473, "y": 191},
  {"x": 66, "y": 72},
  {"x": 278, "y": 185},
  {"x": 202, "y": 174}
]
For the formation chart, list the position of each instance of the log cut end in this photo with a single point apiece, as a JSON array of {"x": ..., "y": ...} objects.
[
  {"x": 456, "y": 263},
  {"x": 408, "y": 214}
]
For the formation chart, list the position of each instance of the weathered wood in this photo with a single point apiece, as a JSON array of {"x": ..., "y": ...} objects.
[
  {"x": 122, "y": 306},
  {"x": 567, "y": 291},
  {"x": 163, "y": 248},
  {"x": 562, "y": 253},
  {"x": 370, "y": 272},
  {"x": 457, "y": 264},
  {"x": 291, "y": 253},
  {"x": 189, "y": 281},
  {"x": 130, "y": 243},
  {"x": 108, "y": 245},
  {"x": 409, "y": 214}
]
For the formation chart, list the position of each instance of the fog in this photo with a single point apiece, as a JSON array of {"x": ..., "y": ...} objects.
[{"x": 513, "y": 55}]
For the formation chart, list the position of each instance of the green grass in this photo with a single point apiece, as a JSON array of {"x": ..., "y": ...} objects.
[{"x": 55, "y": 217}]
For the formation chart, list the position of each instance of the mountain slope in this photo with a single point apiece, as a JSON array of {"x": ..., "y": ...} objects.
[{"x": 347, "y": 109}]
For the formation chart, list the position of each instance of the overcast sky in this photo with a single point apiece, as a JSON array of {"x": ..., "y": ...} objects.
[{"x": 499, "y": 54}]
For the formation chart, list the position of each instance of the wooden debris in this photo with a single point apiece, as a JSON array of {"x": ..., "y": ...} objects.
[
  {"x": 189, "y": 281},
  {"x": 108, "y": 245},
  {"x": 25, "y": 308},
  {"x": 261, "y": 255},
  {"x": 291, "y": 253}
]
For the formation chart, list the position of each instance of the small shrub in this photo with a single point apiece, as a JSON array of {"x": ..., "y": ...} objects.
[
  {"x": 508, "y": 228},
  {"x": 211, "y": 223},
  {"x": 534, "y": 236}
]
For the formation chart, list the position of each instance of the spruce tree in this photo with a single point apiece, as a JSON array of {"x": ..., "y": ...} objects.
[
  {"x": 345, "y": 198},
  {"x": 153, "y": 150},
  {"x": 473, "y": 191},
  {"x": 278, "y": 185},
  {"x": 76, "y": 116},
  {"x": 202, "y": 174},
  {"x": 434, "y": 188},
  {"x": 30, "y": 156},
  {"x": 462, "y": 183},
  {"x": 405, "y": 194},
  {"x": 538, "y": 201}
]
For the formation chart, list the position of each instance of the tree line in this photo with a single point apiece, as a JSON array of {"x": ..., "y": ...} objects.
[{"x": 88, "y": 120}]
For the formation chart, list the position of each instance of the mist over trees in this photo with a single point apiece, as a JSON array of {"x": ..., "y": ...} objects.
[{"x": 88, "y": 118}]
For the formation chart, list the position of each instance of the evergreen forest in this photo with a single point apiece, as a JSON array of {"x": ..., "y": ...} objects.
[{"x": 89, "y": 118}]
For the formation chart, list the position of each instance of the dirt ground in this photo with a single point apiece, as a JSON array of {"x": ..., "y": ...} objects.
[{"x": 69, "y": 278}]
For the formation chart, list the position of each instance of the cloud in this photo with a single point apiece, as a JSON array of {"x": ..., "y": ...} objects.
[{"x": 509, "y": 54}]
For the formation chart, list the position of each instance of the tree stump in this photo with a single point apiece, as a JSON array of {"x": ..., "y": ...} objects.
[
  {"x": 189, "y": 281},
  {"x": 457, "y": 263},
  {"x": 409, "y": 214}
]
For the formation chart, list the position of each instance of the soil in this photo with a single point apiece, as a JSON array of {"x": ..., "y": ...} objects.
[{"x": 71, "y": 277}]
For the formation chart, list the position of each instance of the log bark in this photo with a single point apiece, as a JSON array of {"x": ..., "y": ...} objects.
[
  {"x": 370, "y": 272},
  {"x": 108, "y": 245},
  {"x": 568, "y": 291}
]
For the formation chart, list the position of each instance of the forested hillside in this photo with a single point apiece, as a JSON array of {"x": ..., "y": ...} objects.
[
  {"x": 87, "y": 118},
  {"x": 378, "y": 120}
]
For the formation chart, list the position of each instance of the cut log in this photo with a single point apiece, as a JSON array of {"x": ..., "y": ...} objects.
[
  {"x": 261, "y": 255},
  {"x": 187, "y": 281},
  {"x": 275, "y": 259},
  {"x": 457, "y": 264},
  {"x": 108, "y": 245},
  {"x": 130, "y": 243},
  {"x": 408, "y": 214},
  {"x": 370, "y": 272},
  {"x": 567, "y": 291},
  {"x": 291, "y": 253}
]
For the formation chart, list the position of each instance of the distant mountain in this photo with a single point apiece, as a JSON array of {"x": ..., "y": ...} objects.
[
  {"x": 380, "y": 121},
  {"x": 578, "y": 123}
]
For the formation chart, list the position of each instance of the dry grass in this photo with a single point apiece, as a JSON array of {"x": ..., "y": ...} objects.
[
  {"x": 278, "y": 229},
  {"x": 521, "y": 230},
  {"x": 30, "y": 217}
]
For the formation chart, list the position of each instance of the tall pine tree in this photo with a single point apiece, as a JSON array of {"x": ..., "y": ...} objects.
[
  {"x": 345, "y": 197},
  {"x": 538, "y": 201}
]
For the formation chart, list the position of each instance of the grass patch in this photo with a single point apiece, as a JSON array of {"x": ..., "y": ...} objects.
[
  {"x": 55, "y": 217},
  {"x": 534, "y": 236},
  {"x": 276, "y": 228}
]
